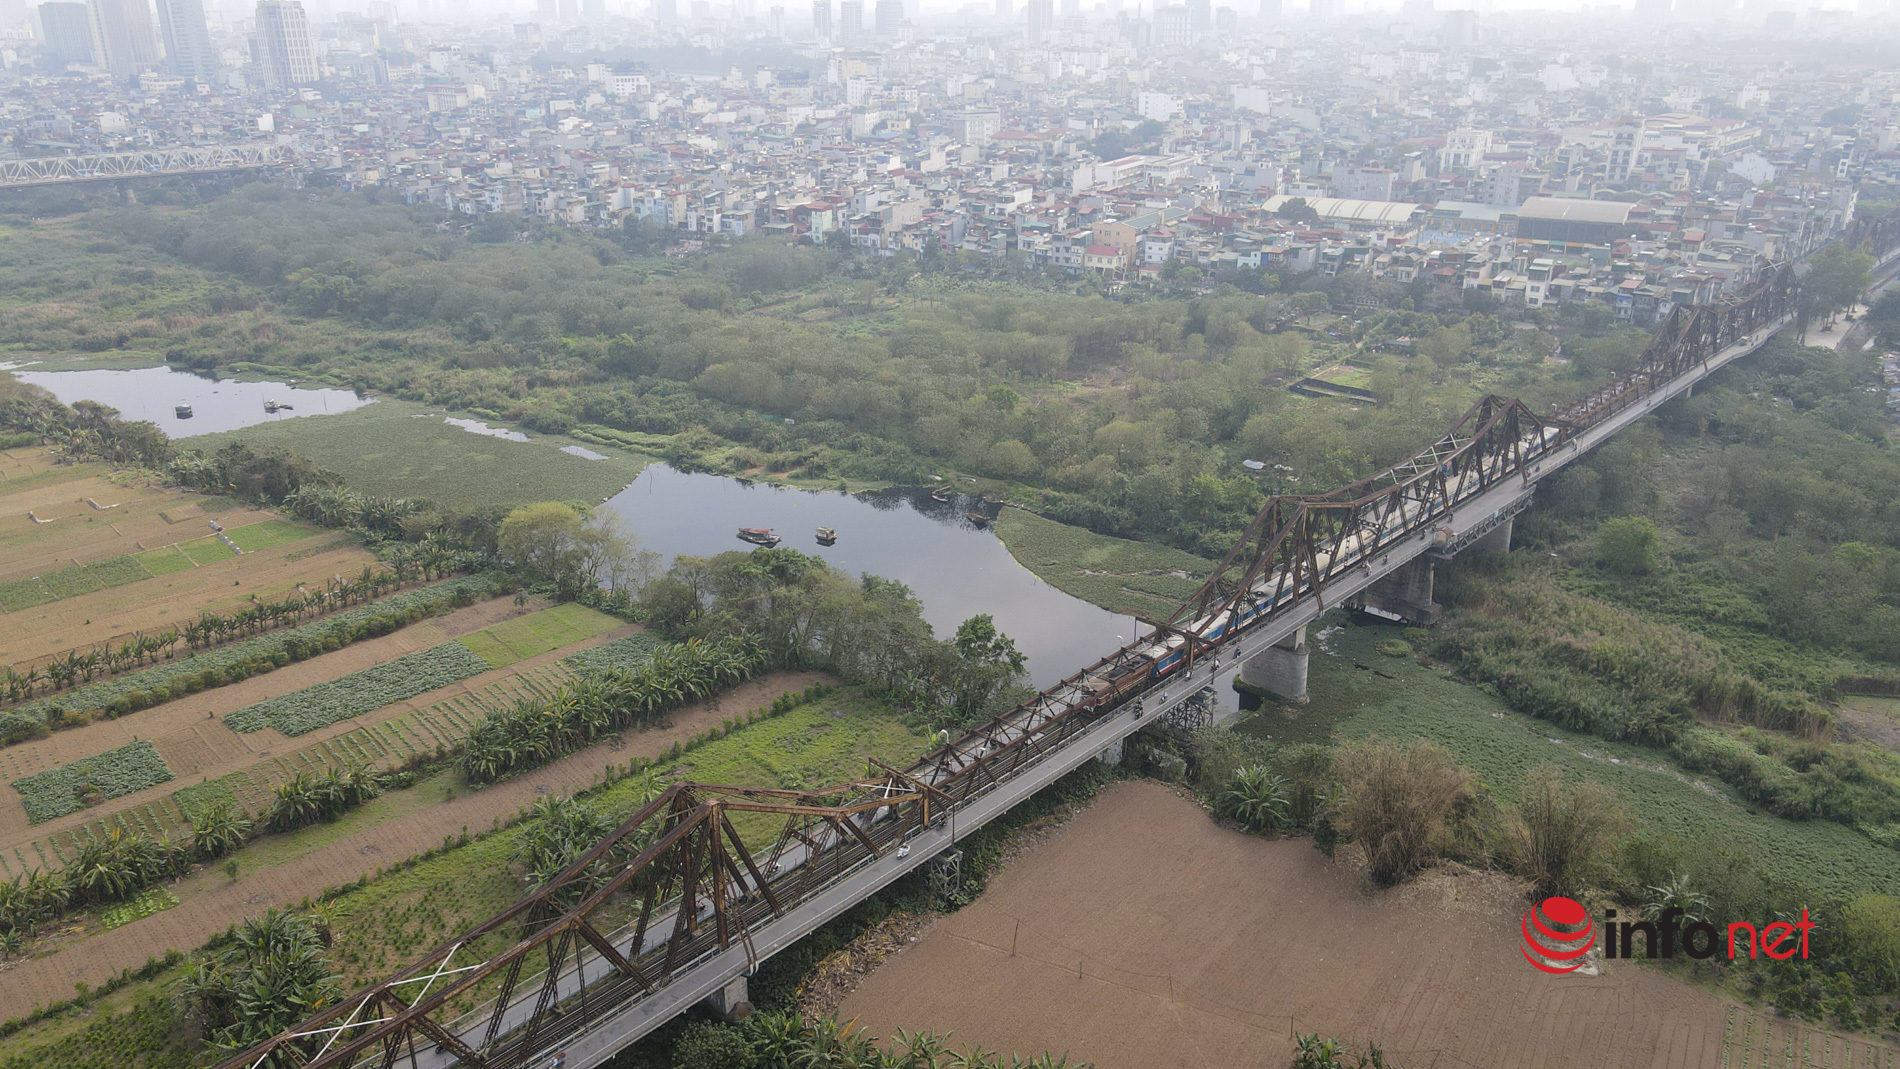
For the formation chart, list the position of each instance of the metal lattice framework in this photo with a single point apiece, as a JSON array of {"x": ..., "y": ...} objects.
[
  {"x": 1299, "y": 542},
  {"x": 1692, "y": 335},
  {"x": 673, "y": 884},
  {"x": 676, "y": 884},
  {"x": 48, "y": 170}
]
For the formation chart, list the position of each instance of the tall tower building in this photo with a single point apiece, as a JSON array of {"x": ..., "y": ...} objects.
[
  {"x": 821, "y": 19},
  {"x": 188, "y": 51},
  {"x": 666, "y": 12},
  {"x": 1005, "y": 11},
  {"x": 122, "y": 40},
  {"x": 1200, "y": 16},
  {"x": 850, "y": 21},
  {"x": 281, "y": 44},
  {"x": 66, "y": 33},
  {"x": 889, "y": 16},
  {"x": 1042, "y": 17}
]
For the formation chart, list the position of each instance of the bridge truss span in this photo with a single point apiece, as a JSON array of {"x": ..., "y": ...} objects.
[
  {"x": 676, "y": 901},
  {"x": 52, "y": 170}
]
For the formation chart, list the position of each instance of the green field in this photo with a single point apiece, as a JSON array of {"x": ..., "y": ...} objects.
[
  {"x": 1137, "y": 578},
  {"x": 529, "y": 636},
  {"x": 164, "y": 561},
  {"x": 404, "y": 449},
  {"x": 207, "y": 550},
  {"x": 1356, "y": 691},
  {"x": 255, "y": 536}
]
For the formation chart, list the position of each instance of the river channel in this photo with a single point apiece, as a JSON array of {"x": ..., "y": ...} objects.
[
  {"x": 153, "y": 393},
  {"x": 955, "y": 568}
]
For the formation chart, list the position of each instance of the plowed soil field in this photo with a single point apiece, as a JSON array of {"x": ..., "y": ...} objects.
[{"x": 1144, "y": 936}]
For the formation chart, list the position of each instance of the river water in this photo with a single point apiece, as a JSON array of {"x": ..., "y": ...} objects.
[
  {"x": 151, "y": 393},
  {"x": 954, "y": 567}
]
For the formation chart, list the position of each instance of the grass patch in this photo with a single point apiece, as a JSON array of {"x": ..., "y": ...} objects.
[
  {"x": 1136, "y": 578},
  {"x": 154, "y": 900},
  {"x": 1355, "y": 692},
  {"x": 208, "y": 550},
  {"x": 405, "y": 450},
  {"x": 119, "y": 571},
  {"x": 164, "y": 560},
  {"x": 255, "y": 536},
  {"x": 359, "y": 692},
  {"x": 528, "y": 636},
  {"x": 70, "y": 581},
  {"x": 622, "y": 654},
  {"x": 89, "y": 781},
  {"x": 208, "y": 795},
  {"x": 24, "y": 594}
]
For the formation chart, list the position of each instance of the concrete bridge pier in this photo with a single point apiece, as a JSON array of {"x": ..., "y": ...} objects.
[
  {"x": 732, "y": 1002},
  {"x": 1280, "y": 669},
  {"x": 1497, "y": 539},
  {"x": 1407, "y": 591}
]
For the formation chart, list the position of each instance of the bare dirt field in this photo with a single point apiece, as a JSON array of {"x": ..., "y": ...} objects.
[
  {"x": 1144, "y": 936},
  {"x": 95, "y": 517},
  {"x": 210, "y": 902},
  {"x": 149, "y": 605}
]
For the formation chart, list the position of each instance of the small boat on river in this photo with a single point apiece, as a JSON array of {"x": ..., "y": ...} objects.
[
  {"x": 977, "y": 518},
  {"x": 274, "y": 406},
  {"x": 758, "y": 536},
  {"x": 182, "y": 411},
  {"x": 827, "y": 536}
]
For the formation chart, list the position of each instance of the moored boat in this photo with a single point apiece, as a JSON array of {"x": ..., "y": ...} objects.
[
  {"x": 826, "y": 536},
  {"x": 977, "y": 518},
  {"x": 182, "y": 411},
  {"x": 758, "y": 536}
]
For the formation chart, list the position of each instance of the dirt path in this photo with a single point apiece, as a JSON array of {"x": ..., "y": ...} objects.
[
  {"x": 195, "y": 742},
  {"x": 210, "y": 903},
  {"x": 1144, "y": 936}
]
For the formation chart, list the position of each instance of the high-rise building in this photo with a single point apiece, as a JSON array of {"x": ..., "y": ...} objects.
[
  {"x": 850, "y": 20},
  {"x": 1071, "y": 9},
  {"x": 775, "y": 22},
  {"x": 1322, "y": 9},
  {"x": 594, "y": 10},
  {"x": 1461, "y": 29},
  {"x": 1005, "y": 11},
  {"x": 889, "y": 15},
  {"x": 188, "y": 51},
  {"x": 1269, "y": 10},
  {"x": 1173, "y": 26},
  {"x": 821, "y": 19},
  {"x": 666, "y": 12},
  {"x": 1042, "y": 18},
  {"x": 122, "y": 40},
  {"x": 1200, "y": 16},
  {"x": 66, "y": 33},
  {"x": 280, "y": 45}
]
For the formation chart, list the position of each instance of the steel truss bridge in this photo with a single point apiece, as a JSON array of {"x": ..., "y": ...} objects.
[
  {"x": 673, "y": 907},
  {"x": 120, "y": 166}
]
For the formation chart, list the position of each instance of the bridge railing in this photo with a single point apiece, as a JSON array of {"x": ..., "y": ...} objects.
[{"x": 46, "y": 170}]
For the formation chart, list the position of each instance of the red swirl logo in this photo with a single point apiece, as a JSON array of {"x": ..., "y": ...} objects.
[{"x": 1558, "y": 933}]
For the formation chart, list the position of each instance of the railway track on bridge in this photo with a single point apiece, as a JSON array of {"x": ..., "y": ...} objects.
[{"x": 673, "y": 907}]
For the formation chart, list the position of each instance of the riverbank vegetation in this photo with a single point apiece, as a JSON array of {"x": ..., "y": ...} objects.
[
  {"x": 1614, "y": 822},
  {"x": 1126, "y": 414}
]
